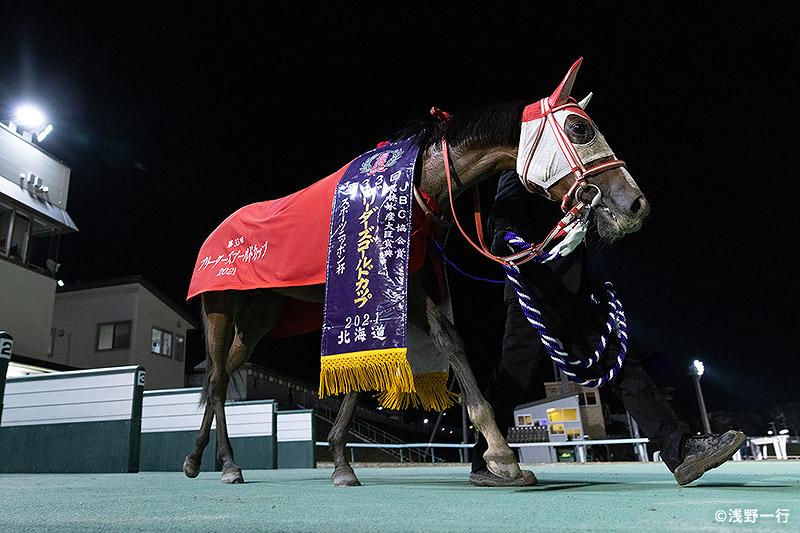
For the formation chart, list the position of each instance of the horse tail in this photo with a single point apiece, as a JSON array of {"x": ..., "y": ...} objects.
[{"x": 207, "y": 376}]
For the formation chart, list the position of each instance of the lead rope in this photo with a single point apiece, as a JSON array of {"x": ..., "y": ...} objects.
[{"x": 616, "y": 323}]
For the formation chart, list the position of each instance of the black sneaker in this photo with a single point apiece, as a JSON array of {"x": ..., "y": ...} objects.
[{"x": 705, "y": 452}]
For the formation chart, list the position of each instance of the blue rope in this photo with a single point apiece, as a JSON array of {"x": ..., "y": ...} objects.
[
  {"x": 446, "y": 260},
  {"x": 616, "y": 324}
]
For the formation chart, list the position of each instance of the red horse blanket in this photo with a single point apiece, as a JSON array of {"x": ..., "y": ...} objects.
[{"x": 284, "y": 243}]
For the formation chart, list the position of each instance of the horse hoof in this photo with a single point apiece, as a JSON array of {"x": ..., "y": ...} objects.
[
  {"x": 504, "y": 470},
  {"x": 232, "y": 476},
  {"x": 345, "y": 479},
  {"x": 190, "y": 468},
  {"x": 484, "y": 478}
]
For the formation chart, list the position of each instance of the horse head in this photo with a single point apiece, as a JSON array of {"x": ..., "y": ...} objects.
[{"x": 559, "y": 141}]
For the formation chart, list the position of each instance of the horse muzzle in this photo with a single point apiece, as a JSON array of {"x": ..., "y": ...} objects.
[{"x": 614, "y": 221}]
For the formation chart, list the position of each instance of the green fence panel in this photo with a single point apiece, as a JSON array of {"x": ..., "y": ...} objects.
[
  {"x": 81, "y": 421},
  {"x": 296, "y": 443}
]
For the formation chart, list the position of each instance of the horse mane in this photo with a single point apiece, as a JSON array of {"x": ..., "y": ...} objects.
[{"x": 494, "y": 124}]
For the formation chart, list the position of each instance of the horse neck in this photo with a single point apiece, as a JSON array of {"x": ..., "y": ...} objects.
[{"x": 469, "y": 165}]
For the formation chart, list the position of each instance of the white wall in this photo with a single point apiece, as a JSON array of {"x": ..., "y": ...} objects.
[
  {"x": 21, "y": 157},
  {"x": 26, "y": 309},
  {"x": 75, "y": 319},
  {"x": 78, "y": 313},
  {"x": 162, "y": 372}
]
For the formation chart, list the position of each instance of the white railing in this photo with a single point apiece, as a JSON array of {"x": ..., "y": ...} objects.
[
  {"x": 413, "y": 447},
  {"x": 758, "y": 444},
  {"x": 639, "y": 444},
  {"x": 579, "y": 444}
]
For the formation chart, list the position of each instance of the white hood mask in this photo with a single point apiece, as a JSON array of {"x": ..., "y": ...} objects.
[{"x": 546, "y": 155}]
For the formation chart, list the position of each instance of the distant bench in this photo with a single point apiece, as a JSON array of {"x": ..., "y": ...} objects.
[{"x": 81, "y": 421}]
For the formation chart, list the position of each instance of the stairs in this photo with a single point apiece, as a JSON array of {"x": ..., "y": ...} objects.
[{"x": 369, "y": 433}]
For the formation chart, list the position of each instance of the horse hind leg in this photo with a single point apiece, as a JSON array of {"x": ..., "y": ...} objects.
[
  {"x": 191, "y": 465},
  {"x": 343, "y": 475},
  {"x": 218, "y": 322},
  {"x": 256, "y": 316},
  {"x": 218, "y": 387}
]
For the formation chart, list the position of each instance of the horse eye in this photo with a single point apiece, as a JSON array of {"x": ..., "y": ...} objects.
[{"x": 578, "y": 129}]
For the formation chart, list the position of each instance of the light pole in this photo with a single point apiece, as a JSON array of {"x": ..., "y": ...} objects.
[{"x": 696, "y": 371}]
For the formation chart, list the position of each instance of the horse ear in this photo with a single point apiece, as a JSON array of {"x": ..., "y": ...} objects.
[
  {"x": 561, "y": 94},
  {"x": 585, "y": 102}
]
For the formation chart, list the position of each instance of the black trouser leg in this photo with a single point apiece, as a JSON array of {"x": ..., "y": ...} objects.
[
  {"x": 651, "y": 411},
  {"x": 632, "y": 385},
  {"x": 523, "y": 352}
]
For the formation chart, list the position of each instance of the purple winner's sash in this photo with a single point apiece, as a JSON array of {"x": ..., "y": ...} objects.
[{"x": 364, "y": 329}]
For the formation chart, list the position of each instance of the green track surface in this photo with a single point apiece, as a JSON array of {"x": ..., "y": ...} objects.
[{"x": 569, "y": 497}]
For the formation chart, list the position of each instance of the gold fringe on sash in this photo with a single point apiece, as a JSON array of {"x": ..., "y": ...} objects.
[
  {"x": 430, "y": 392},
  {"x": 378, "y": 370}
]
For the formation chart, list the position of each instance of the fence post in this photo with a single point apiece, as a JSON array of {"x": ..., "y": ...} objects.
[{"x": 6, "y": 346}]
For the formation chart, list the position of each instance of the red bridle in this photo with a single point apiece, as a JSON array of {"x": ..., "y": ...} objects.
[{"x": 580, "y": 171}]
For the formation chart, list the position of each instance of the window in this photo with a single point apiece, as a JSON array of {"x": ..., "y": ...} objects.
[
  {"x": 573, "y": 434},
  {"x": 562, "y": 415},
  {"x": 524, "y": 420},
  {"x": 43, "y": 247},
  {"x": 166, "y": 347},
  {"x": 161, "y": 342},
  {"x": 19, "y": 237},
  {"x": 557, "y": 429},
  {"x": 28, "y": 240},
  {"x": 113, "y": 336},
  {"x": 5, "y": 228},
  {"x": 591, "y": 398}
]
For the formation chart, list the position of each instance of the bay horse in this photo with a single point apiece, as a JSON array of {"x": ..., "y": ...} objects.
[{"x": 456, "y": 153}]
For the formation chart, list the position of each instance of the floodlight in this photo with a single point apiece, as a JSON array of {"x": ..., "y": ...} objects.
[
  {"x": 29, "y": 117},
  {"x": 696, "y": 370},
  {"x": 31, "y": 121}
]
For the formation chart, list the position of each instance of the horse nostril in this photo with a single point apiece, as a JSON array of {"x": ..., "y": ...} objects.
[{"x": 639, "y": 204}]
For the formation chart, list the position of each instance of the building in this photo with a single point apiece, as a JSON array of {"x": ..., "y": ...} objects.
[
  {"x": 562, "y": 418},
  {"x": 121, "y": 322},
  {"x": 569, "y": 412},
  {"x": 33, "y": 216},
  {"x": 589, "y": 405}
]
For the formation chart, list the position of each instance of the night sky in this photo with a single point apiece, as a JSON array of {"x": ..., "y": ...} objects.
[{"x": 172, "y": 118}]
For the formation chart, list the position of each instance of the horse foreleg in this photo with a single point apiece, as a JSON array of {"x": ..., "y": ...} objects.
[
  {"x": 343, "y": 475},
  {"x": 500, "y": 460}
]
